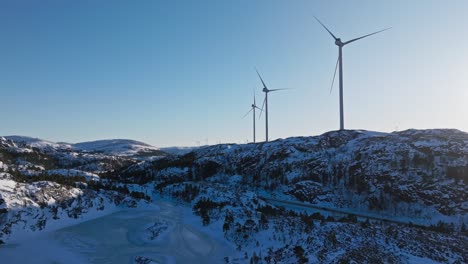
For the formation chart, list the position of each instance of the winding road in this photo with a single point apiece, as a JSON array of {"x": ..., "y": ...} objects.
[{"x": 334, "y": 210}]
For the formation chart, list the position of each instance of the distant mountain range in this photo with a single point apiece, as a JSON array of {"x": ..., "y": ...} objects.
[{"x": 118, "y": 147}]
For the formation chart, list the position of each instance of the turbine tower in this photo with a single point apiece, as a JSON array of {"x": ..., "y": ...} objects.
[
  {"x": 265, "y": 103},
  {"x": 253, "y": 107},
  {"x": 339, "y": 62}
]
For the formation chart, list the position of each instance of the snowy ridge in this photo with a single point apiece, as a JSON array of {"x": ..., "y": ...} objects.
[
  {"x": 38, "y": 143},
  {"x": 116, "y": 147},
  {"x": 122, "y": 147},
  {"x": 178, "y": 150}
]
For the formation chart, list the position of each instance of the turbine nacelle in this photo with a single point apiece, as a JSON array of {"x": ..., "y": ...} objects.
[
  {"x": 265, "y": 90},
  {"x": 339, "y": 43}
]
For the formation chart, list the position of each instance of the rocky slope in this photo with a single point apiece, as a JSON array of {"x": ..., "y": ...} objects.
[
  {"x": 414, "y": 181},
  {"x": 51, "y": 184},
  {"x": 418, "y": 174}
]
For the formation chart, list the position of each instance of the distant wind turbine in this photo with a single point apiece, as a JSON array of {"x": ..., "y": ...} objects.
[
  {"x": 265, "y": 102},
  {"x": 253, "y": 107},
  {"x": 339, "y": 62}
]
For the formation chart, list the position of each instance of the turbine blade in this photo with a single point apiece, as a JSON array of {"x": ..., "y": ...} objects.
[
  {"x": 334, "y": 74},
  {"x": 272, "y": 90},
  {"x": 347, "y": 42},
  {"x": 261, "y": 110},
  {"x": 247, "y": 113},
  {"x": 326, "y": 28},
  {"x": 264, "y": 85},
  {"x": 254, "y": 96}
]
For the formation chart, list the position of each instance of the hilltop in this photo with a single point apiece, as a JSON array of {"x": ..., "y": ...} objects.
[{"x": 116, "y": 147}]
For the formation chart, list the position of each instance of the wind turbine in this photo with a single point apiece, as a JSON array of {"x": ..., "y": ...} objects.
[
  {"x": 265, "y": 102},
  {"x": 253, "y": 107},
  {"x": 339, "y": 62}
]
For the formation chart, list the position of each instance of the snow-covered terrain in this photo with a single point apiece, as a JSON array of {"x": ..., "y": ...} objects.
[
  {"x": 178, "y": 150},
  {"x": 122, "y": 147},
  {"x": 38, "y": 143},
  {"x": 342, "y": 197},
  {"x": 116, "y": 147},
  {"x": 44, "y": 185}
]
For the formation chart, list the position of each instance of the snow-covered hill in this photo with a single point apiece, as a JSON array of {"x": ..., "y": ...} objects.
[
  {"x": 120, "y": 147},
  {"x": 342, "y": 197},
  {"x": 38, "y": 143},
  {"x": 413, "y": 181},
  {"x": 413, "y": 174},
  {"x": 116, "y": 147},
  {"x": 35, "y": 206},
  {"x": 45, "y": 184}
]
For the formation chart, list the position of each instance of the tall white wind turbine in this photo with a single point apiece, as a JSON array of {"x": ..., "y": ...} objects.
[
  {"x": 339, "y": 62},
  {"x": 253, "y": 107},
  {"x": 265, "y": 103}
]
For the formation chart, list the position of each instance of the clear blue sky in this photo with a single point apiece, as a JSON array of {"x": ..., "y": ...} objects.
[{"x": 178, "y": 72}]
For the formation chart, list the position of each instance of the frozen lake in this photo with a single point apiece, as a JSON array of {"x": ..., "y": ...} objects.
[{"x": 121, "y": 237}]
